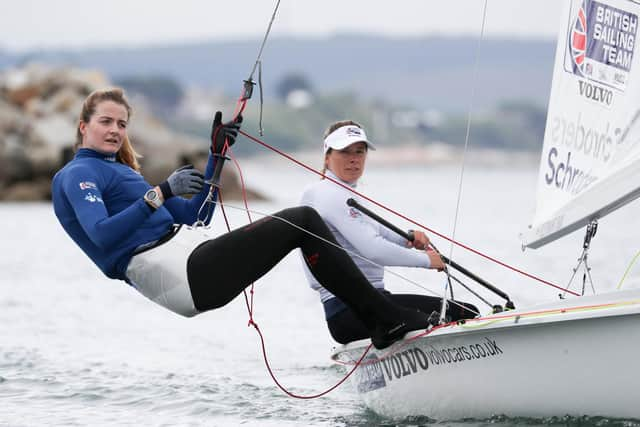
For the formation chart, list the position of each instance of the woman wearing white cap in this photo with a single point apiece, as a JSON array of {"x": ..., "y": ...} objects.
[{"x": 345, "y": 150}]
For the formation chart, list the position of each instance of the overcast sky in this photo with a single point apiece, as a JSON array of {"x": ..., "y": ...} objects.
[{"x": 29, "y": 24}]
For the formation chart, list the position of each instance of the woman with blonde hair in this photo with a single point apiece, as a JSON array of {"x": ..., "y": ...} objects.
[
  {"x": 372, "y": 246},
  {"x": 131, "y": 229}
]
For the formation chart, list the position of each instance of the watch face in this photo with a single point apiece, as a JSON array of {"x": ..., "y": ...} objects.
[{"x": 153, "y": 198}]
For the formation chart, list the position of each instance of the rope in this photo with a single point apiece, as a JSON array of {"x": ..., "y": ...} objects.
[
  {"x": 404, "y": 217},
  {"x": 313, "y": 396},
  {"x": 249, "y": 301},
  {"x": 624, "y": 276},
  {"x": 264, "y": 41},
  {"x": 464, "y": 157},
  {"x": 209, "y": 200},
  {"x": 468, "y": 130},
  {"x": 351, "y": 253},
  {"x": 240, "y": 106}
]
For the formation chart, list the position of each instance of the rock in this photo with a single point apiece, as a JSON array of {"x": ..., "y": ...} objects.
[
  {"x": 11, "y": 118},
  {"x": 86, "y": 81},
  {"x": 54, "y": 131},
  {"x": 65, "y": 100},
  {"x": 23, "y": 84},
  {"x": 39, "y": 113}
]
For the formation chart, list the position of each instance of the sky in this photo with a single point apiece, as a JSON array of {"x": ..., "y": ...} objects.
[{"x": 43, "y": 24}]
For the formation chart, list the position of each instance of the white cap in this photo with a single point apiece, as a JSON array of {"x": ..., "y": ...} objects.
[{"x": 344, "y": 136}]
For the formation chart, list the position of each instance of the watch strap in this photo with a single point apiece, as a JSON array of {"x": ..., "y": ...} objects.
[{"x": 166, "y": 190}]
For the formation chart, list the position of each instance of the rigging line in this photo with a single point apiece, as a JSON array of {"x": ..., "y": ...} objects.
[
  {"x": 400, "y": 215},
  {"x": 260, "y": 128},
  {"x": 353, "y": 254},
  {"x": 240, "y": 106},
  {"x": 626, "y": 272},
  {"x": 249, "y": 302},
  {"x": 247, "y": 89},
  {"x": 298, "y": 396},
  {"x": 264, "y": 41},
  {"x": 464, "y": 157},
  {"x": 242, "y": 184},
  {"x": 250, "y": 306},
  {"x": 477, "y": 295},
  {"x": 468, "y": 129}
]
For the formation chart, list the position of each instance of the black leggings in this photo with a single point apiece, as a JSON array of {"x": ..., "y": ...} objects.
[
  {"x": 345, "y": 327},
  {"x": 219, "y": 269}
]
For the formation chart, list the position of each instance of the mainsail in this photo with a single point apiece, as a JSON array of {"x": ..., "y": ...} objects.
[{"x": 590, "y": 163}]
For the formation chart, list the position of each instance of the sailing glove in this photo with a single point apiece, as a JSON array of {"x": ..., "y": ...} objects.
[
  {"x": 184, "y": 180},
  {"x": 220, "y": 132}
]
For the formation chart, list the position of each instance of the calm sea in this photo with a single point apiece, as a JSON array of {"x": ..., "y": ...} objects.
[{"x": 78, "y": 349}]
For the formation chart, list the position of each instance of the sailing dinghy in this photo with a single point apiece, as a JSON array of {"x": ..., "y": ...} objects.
[{"x": 552, "y": 359}]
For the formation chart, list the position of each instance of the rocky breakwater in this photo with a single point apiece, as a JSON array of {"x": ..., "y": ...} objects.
[{"x": 39, "y": 110}]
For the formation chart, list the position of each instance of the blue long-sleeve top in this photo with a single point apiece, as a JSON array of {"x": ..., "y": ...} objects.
[{"x": 100, "y": 204}]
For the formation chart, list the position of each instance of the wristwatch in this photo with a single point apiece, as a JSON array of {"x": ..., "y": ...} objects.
[{"x": 153, "y": 199}]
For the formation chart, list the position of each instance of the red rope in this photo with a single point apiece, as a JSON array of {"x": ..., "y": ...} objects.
[
  {"x": 249, "y": 301},
  {"x": 239, "y": 109},
  {"x": 398, "y": 214},
  {"x": 240, "y": 106},
  {"x": 298, "y": 396}
]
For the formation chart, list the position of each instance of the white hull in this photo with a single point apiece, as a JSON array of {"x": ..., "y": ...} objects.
[{"x": 575, "y": 357}]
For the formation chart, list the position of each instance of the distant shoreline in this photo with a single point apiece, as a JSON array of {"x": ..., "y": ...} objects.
[{"x": 428, "y": 155}]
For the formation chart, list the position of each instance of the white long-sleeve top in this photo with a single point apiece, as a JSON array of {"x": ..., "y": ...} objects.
[{"x": 358, "y": 233}]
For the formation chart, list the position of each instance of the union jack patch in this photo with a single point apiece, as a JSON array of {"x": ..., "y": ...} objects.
[{"x": 88, "y": 185}]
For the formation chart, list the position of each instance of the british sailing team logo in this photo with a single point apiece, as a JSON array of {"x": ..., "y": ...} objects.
[{"x": 601, "y": 43}]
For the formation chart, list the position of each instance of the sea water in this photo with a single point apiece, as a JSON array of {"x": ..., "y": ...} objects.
[{"x": 78, "y": 349}]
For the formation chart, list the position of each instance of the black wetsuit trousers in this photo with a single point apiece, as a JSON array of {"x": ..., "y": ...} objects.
[
  {"x": 219, "y": 269},
  {"x": 345, "y": 327}
]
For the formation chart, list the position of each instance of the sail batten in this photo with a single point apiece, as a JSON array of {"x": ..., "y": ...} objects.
[{"x": 590, "y": 161}]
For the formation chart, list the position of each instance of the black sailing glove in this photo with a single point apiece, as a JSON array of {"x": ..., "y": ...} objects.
[
  {"x": 184, "y": 180},
  {"x": 220, "y": 131}
]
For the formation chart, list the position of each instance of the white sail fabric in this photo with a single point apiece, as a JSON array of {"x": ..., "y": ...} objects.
[{"x": 590, "y": 163}]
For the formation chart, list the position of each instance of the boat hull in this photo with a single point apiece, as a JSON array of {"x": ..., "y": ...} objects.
[{"x": 564, "y": 359}]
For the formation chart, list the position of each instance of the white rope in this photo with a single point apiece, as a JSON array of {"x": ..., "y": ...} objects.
[
  {"x": 464, "y": 154},
  {"x": 351, "y": 253},
  {"x": 264, "y": 41}
]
